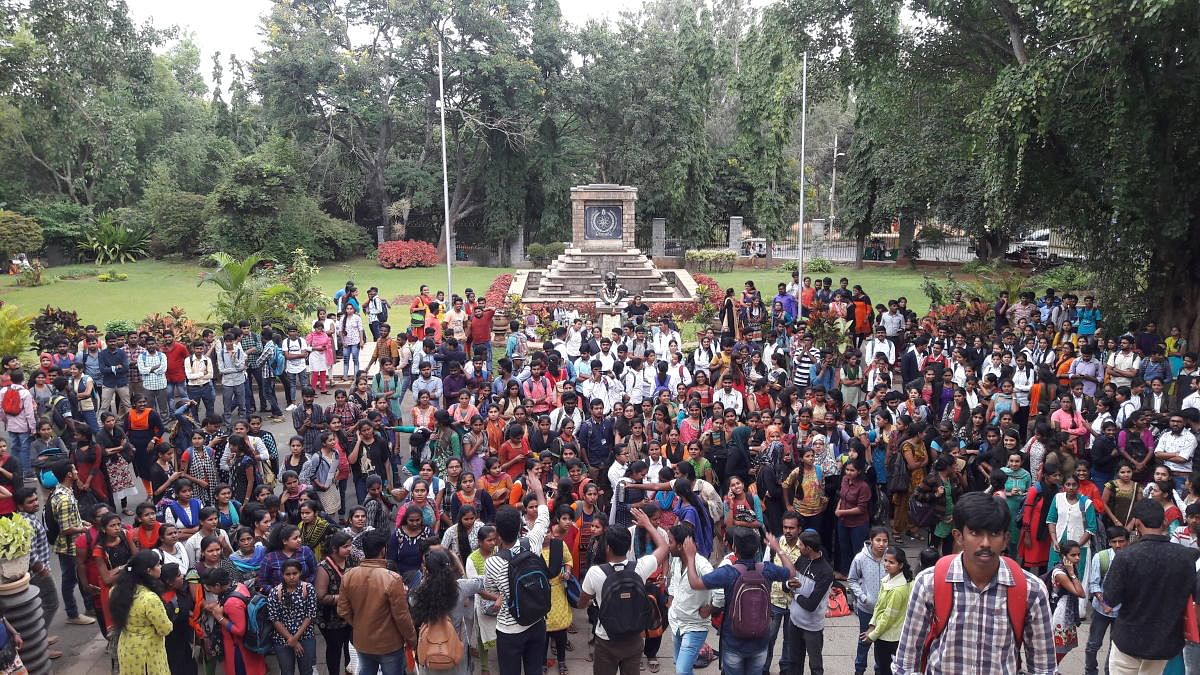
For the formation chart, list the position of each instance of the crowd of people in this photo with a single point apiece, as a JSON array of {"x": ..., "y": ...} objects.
[{"x": 448, "y": 499}]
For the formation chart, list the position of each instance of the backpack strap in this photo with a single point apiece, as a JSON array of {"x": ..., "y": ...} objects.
[
  {"x": 943, "y": 600},
  {"x": 1018, "y": 600}
]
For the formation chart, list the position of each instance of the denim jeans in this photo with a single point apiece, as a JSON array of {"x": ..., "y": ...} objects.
[
  {"x": 349, "y": 355},
  {"x": 205, "y": 394},
  {"x": 176, "y": 391},
  {"x": 405, "y": 387},
  {"x": 267, "y": 401},
  {"x": 233, "y": 396},
  {"x": 733, "y": 663},
  {"x": 391, "y": 663},
  {"x": 687, "y": 648},
  {"x": 20, "y": 442},
  {"x": 779, "y": 617},
  {"x": 48, "y": 594},
  {"x": 1191, "y": 658},
  {"x": 860, "y": 657},
  {"x": 67, "y": 564},
  {"x": 1100, "y": 626},
  {"x": 296, "y": 382},
  {"x": 253, "y": 381},
  {"x": 291, "y": 663},
  {"x": 90, "y": 419},
  {"x": 849, "y": 543}
]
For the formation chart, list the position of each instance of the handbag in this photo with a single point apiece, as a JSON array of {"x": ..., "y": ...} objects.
[
  {"x": 837, "y": 605},
  {"x": 898, "y": 476}
]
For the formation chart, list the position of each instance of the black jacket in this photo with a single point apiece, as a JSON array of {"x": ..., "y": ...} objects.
[{"x": 1151, "y": 580}]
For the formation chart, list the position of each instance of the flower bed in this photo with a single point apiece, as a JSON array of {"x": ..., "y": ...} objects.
[{"x": 400, "y": 255}]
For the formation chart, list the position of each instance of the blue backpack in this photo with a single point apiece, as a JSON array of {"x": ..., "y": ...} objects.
[
  {"x": 259, "y": 631},
  {"x": 277, "y": 361}
]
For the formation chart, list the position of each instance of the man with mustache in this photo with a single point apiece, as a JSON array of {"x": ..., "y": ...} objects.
[{"x": 968, "y": 614}]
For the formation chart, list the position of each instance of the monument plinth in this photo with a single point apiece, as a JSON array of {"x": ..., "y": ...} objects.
[{"x": 603, "y": 241}]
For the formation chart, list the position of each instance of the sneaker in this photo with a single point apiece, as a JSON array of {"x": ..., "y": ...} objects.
[
  {"x": 291, "y": 407},
  {"x": 81, "y": 620}
]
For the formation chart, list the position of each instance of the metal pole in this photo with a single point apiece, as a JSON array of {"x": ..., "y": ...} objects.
[
  {"x": 445, "y": 176},
  {"x": 803, "y": 131},
  {"x": 832, "y": 186}
]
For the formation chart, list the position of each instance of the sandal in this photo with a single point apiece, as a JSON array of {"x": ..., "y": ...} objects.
[
  {"x": 652, "y": 664},
  {"x": 562, "y": 669},
  {"x": 588, "y": 658},
  {"x": 127, "y": 512}
]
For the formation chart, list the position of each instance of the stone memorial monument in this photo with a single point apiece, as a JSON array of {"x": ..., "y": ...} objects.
[{"x": 603, "y": 243}]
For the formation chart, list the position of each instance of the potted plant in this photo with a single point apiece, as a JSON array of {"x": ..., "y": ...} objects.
[{"x": 16, "y": 542}]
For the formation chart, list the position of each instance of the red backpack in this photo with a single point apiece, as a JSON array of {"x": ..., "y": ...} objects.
[
  {"x": 943, "y": 603},
  {"x": 12, "y": 402}
]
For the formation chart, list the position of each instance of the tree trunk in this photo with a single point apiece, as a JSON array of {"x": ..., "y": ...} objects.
[
  {"x": 1175, "y": 281},
  {"x": 908, "y": 227},
  {"x": 860, "y": 243}
]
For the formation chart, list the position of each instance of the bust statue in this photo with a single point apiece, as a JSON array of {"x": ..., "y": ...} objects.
[{"x": 611, "y": 295}]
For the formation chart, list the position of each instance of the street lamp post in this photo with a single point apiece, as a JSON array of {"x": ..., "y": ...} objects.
[
  {"x": 803, "y": 131},
  {"x": 445, "y": 175}
]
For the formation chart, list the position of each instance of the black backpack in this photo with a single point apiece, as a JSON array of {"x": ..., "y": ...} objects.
[
  {"x": 528, "y": 585},
  {"x": 53, "y": 529},
  {"x": 624, "y": 609}
]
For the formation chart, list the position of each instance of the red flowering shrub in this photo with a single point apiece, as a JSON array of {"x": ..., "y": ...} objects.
[
  {"x": 679, "y": 311},
  {"x": 497, "y": 293},
  {"x": 714, "y": 289},
  {"x": 403, "y": 254}
]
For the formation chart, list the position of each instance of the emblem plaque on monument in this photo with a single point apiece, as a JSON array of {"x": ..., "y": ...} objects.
[{"x": 602, "y": 222}]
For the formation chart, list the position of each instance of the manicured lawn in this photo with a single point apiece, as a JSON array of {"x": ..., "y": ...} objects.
[
  {"x": 881, "y": 283},
  {"x": 154, "y": 286}
]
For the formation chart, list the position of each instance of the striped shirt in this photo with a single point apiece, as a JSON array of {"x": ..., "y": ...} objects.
[
  {"x": 496, "y": 571},
  {"x": 40, "y": 553},
  {"x": 978, "y": 637}
]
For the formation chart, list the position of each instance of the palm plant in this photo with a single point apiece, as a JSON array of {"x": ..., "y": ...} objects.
[{"x": 245, "y": 293}]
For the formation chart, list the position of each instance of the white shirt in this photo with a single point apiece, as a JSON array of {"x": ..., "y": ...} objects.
[
  {"x": 873, "y": 347},
  {"x": 662, "y": 342},
  {"x": 1022, "y": 384},
  {"x": 684, "y": 615},
  {"x": 730, "y": 399},
  {"x": 593, "y": 581},
  {"x": 1192, "y": 400},
  {"x": 1123, "y": 361},
  {"x": 1183, "y": 445},
  {"x": 299, "y": 346},
  {"x": 606, "y": 359}
]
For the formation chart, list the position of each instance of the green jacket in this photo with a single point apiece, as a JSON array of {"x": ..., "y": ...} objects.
[{"x": 888, "y": 618}]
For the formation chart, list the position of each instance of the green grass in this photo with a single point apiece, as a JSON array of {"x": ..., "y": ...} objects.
[
  {"x": 154, "y": 286},
  {"x": 881, "y": 283}
]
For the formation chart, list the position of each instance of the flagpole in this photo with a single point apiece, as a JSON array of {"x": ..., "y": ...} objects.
[
  {"x": 803, "y": 132},
  {"x": 445, "y": 176}
]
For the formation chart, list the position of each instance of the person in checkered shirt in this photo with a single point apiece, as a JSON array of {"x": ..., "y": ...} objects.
[{"x": 978, "y": 637}]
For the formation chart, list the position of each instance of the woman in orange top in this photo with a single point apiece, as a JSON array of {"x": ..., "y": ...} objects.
[
  {"x": 496, "y": 482},
  {"x": 1063, "y": 367},
  {"x": 143, "y": 426},
  {"x": 494, "y": 429}
]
